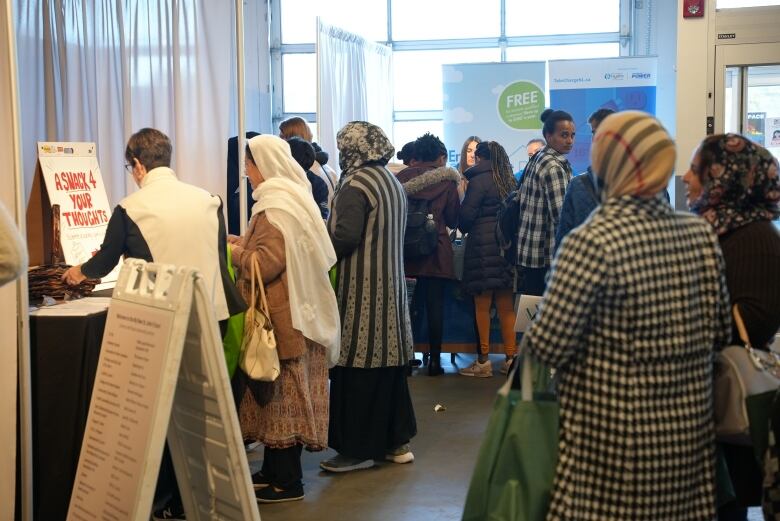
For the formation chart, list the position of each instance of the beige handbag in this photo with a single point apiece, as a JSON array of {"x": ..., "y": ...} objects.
[
  {"x": 259, "y": 359},
  {"x": 741, "y": 371}
]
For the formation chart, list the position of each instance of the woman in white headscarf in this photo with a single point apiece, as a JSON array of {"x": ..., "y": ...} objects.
[
  {"x": 635, "y": 309},
  {"x": 288, "y": 237}
]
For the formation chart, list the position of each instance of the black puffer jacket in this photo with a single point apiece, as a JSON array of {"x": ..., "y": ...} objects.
[{"x": 484, "y": 267}]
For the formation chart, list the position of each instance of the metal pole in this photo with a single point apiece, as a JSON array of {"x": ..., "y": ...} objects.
[
  {"x": 241, "y": 115},
  {"x": 318, "y": 59}
]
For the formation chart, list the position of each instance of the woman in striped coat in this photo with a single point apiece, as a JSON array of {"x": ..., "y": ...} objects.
[
  {"x": 371, "y": 414},
  {"x": 636, "y": 308}
]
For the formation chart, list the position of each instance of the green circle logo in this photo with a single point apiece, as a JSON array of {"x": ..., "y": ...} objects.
[{"x": 520, "y": 105}]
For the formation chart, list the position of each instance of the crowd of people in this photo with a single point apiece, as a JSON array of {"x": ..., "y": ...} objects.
[{"x": 637, "y": 297}]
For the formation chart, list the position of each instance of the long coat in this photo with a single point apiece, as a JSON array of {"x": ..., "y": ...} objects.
[
  {"x": 635, "y": 309},
  {"x": 438, "y": 186},
  {"x": 484, "y": 267},
  {"x": 367, "y": 224},
  {"x": 265, "y": 242}
]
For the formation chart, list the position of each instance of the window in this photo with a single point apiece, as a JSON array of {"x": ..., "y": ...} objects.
[
  {"x": 299, "y": 79},
  {"x": 426, "y": 34},
  {"x": 527, "y": 53},
  {"x": 405, "y": 131},
  {"x": 443, "y": 19},
  {"x": 418, "y": 75},
  {"x": 525, "y": 18},
  {"x": 367, "y": 18}
]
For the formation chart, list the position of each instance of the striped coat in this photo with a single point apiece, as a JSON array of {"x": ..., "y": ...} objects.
[
  {"x": 636, "y": 308},
  {"x": 367, "y": 224}
]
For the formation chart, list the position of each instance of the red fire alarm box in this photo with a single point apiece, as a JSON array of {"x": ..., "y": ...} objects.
[{"x": 693, "y": 8}]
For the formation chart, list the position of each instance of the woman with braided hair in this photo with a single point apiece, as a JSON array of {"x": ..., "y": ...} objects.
[{"x": 486, "y": 273}]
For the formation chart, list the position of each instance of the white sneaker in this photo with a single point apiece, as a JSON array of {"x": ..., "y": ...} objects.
[
  {"x": 478, "y": 369},
  {"x": 402, "y": 454}
]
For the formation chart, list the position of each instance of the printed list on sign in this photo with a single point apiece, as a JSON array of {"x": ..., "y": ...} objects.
[{"x": 122, "y": 413}]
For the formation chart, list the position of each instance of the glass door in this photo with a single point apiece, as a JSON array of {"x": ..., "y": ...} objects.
[{"x": 747, "y": 92}]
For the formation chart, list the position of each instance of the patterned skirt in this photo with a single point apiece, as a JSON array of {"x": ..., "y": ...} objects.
[{"x": 293, "y": 409}]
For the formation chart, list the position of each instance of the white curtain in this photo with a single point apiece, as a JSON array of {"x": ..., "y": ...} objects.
[
  {"x": 99, "y": 70},
  {"x": 355, "y": 82}
]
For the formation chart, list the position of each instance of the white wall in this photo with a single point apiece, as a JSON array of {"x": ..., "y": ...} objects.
[{"x": 692, "y": 84}]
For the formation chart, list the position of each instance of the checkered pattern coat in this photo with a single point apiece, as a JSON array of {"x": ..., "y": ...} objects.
[
  {"x": 636, "y": 307},
  {"x": 542, "y": 191}
]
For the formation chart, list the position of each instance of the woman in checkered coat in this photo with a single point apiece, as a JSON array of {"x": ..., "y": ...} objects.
[{"x": 635, "y": 309}]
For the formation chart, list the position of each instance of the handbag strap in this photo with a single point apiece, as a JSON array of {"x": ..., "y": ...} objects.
[
  {"x": 257, "y": 273},
  {"x": 740, "y": 326},
  {"x": 526, "y": 379}
]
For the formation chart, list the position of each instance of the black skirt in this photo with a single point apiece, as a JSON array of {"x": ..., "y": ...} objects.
[{"x": 371, "y": 411}]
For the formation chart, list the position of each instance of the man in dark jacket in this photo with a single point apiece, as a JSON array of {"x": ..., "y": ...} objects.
[
  {"x": 582, "y": 194},
  {"x": 429, "y": 180}
]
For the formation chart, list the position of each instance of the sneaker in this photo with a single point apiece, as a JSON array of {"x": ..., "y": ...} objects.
[
  {"x": 169, "y": 513},
  {"x": 340, "y": 463},
  {"x": 259, "y": 481},
  {"x": 478, "y": 369},
  {"x": 402, "y": 454},
  {"x": 506, "y": 365},
  {"x": 274, "y": 495}
]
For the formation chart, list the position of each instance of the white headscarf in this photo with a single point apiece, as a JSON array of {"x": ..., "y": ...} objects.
[{"x": 285, "y": 197}]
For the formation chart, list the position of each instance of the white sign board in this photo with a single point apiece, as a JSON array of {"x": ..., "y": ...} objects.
[
  {"x": 527, "y": 310},
  {"x": 161, "y": 371},
  {"x": 74, "y": 183}
]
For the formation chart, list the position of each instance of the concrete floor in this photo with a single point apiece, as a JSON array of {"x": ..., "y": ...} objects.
[{"x": 434, "y": 486}]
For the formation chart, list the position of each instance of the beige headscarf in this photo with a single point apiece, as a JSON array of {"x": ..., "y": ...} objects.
[
  {"x": 285, "y": 197},
  {"x": 632, "y": 154}
]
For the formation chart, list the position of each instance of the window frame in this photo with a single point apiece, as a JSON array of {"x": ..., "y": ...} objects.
[{"x": 502, "y": 42}]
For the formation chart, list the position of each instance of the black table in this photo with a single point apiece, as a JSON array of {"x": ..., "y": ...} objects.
[{"x": 64, "y": 354}]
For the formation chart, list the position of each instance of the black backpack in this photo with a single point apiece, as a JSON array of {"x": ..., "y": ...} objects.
[
  {"x": 422, "y": 235},
  {"x": 507, "y": 222}
]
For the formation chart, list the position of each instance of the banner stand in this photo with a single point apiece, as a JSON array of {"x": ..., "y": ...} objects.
[{"x": 161, "y": 370}]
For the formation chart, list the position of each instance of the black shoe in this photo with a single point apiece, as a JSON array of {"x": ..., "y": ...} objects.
[
  {"x": 169, "y": 513},
  {"x": 259, "y": 481},
  {"x": 273, "y": 495},
  {"x": 434, "y": 366}
]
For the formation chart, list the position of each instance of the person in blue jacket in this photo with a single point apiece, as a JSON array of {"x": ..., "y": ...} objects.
[{"x": 582, "y": 194}]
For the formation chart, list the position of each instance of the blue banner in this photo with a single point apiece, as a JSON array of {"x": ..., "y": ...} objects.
[
  {"x": 460, "y": 331},
  {"x": 580, "y": 87}
]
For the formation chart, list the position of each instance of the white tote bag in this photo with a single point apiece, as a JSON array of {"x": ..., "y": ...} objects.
[{"x": 259, "y": 359}]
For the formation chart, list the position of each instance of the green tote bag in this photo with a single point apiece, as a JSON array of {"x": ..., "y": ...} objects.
[
  {"x": 234, "y": 334},
  {"x": 514, "y": 473}
]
